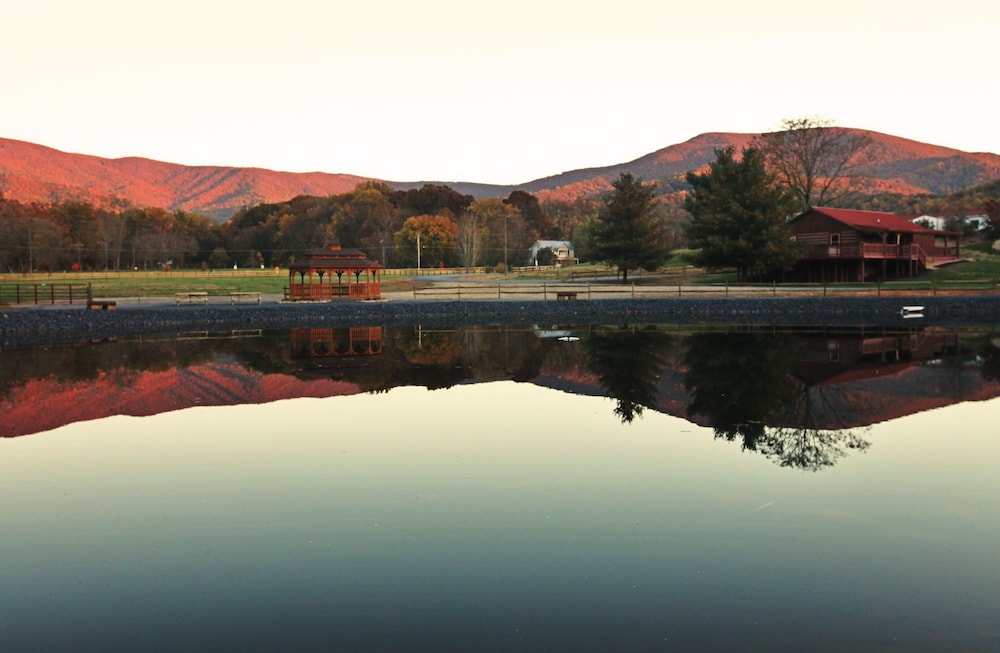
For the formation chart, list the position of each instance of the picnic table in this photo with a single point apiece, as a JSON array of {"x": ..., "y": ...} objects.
[
  {"x": 237, "y": 296},
  {"x": 191, "y": 297}
]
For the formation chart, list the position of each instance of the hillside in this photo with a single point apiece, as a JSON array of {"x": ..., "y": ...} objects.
[{"x": 30, "y": 172}]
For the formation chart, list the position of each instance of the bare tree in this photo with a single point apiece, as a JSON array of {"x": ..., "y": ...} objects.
[
  {"x": 818, "y": 162},
  {"x": 471, "y": 233}
]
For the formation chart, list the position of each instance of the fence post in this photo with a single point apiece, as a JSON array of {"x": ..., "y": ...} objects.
[
  {"x": 545, "y": 293},
  {"x": 727, "y": 289},
  {"x": 774, "y": 288},
  {"x": 498, "y": 291},
  {"x": 878, "y": 288},
  {"x": 633, "y": 290}
]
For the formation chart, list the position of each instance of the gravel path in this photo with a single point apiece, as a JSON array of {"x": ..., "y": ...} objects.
[{"x": 76, "y": 323}]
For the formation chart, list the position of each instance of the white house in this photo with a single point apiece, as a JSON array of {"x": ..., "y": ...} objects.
[
  {"x": 563, "y": 250},
  {"x": 941, "y": 221}
]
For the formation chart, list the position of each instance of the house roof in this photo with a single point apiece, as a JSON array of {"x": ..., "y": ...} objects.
[
  {"x": 874, "y": 221},
  {"x": 542, "y": 244}
]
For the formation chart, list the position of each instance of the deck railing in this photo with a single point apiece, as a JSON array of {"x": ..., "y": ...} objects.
[{"x": 869, "y": 251}]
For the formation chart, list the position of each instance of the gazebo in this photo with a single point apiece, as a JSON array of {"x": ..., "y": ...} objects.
[{"x": 327, "y": 274}]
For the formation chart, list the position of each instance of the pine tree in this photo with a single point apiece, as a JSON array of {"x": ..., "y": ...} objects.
[
  {"x": 740, "y": 216},
  {"x": 628, "y": 232}
]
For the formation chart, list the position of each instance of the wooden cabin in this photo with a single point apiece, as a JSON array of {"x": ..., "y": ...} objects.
[
  {"x": 334, "y": 273},
  {"x": 845, "y": 245}
]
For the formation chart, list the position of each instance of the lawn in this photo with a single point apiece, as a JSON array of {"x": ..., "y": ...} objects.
[
  {"x": 153, "y": 284},
  {"x": 981, "y": 271}
]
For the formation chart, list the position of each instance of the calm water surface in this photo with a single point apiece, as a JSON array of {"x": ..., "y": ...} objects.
[{"x": 501, "y": 516}]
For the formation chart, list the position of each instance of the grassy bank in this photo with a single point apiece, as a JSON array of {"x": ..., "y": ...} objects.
[
  {"x": 154, "y": 284},
  {"x": 980, "y": 273}
]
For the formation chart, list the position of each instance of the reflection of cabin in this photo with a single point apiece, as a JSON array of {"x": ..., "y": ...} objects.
[
  {"x": 336, "y": 342},
  {"x": 846, "y": 245},
  {"x": 853, "y": 353},
  {"x": 334, "y": 273}
]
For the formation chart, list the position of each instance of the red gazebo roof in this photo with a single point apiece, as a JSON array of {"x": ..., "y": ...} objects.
[{"x": 334, "y": 257}]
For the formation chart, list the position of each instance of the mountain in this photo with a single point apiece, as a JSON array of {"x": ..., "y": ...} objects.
[{"x": 30, "y": 172}]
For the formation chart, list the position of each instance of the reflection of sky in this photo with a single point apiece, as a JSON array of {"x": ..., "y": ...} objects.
[{"x": 492, "y": 513}]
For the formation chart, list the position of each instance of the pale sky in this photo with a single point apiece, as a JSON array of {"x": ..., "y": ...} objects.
[{"x": 504, "y": 92}]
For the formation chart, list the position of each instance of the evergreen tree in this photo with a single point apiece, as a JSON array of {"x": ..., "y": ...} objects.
[
  {"x": 628, "y": 232},
  {"x": 740, "y": 216}
]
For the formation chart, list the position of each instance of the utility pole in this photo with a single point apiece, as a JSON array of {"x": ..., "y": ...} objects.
[{"x": 418, "y": 252}]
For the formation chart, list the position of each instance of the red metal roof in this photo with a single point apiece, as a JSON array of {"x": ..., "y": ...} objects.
[{"x": 870, "y": 220}]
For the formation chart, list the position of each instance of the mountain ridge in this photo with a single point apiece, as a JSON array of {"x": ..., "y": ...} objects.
[{"x": 31, "y": 172}]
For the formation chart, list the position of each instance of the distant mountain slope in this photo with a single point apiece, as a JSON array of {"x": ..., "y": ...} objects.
[
  {"x": 898, "y": 165},
  {"x": 30, "y": 172}
]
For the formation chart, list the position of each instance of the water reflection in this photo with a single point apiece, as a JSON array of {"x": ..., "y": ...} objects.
[
  {"x": 628, "y": 363},
  {"x": 803, "y": 397},
  {"x": 747, "y": 386}
]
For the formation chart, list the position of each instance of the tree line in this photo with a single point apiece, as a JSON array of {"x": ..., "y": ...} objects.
[
  {"x": 452, "y": 230},
  {"x": 734, "y": 214}
]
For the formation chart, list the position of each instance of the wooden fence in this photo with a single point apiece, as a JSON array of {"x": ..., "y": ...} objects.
[
  {"x": 515, "y": 290},
  {"x": 14, "y": 294}
]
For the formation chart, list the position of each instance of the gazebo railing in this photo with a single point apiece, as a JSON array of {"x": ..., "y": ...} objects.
[{"x": 361, "y": 290}]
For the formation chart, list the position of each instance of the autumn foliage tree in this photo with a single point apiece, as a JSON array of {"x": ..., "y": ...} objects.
[{"x": 436, "y": 237}]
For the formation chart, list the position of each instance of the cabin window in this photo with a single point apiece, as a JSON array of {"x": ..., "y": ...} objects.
[{"x": 834, "y": 249}]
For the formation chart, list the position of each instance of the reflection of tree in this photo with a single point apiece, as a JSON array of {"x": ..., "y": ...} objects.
[
  {"x": 440, "y": 347},
  {"x": 807, "y": 448},
  {"x": 743, "y": 383},
  {"x": 628, "y": 363},
  {"x": 739, "y": 380}
]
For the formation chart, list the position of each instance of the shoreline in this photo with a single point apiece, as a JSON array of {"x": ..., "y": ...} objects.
[{"x": 41, "y": 325}]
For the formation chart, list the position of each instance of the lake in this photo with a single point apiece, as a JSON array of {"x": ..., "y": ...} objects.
[{"x": 522, "y": 487}]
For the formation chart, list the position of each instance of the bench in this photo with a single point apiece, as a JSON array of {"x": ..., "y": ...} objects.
[
  {"x": 102, "y": 304},
  {"x": 191, "y": 297},
  {"x": 565, "y": 295},
  {"x": 239, "y": 296}
]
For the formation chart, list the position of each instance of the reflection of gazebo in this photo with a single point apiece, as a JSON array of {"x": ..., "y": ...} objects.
[
  {"x": 341, "y": 342},
  {"x": 320, "y": 274}
]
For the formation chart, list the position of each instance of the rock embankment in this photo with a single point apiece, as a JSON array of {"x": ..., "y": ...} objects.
[{"x": 55, "y": 324}]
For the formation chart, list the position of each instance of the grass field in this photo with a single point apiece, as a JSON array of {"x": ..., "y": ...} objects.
[
  {"x": 981, "y": 272},
  {"x": 153, "y": 284}
]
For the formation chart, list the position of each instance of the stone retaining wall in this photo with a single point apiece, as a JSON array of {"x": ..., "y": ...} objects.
[{"x": 67, "y": 324}]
